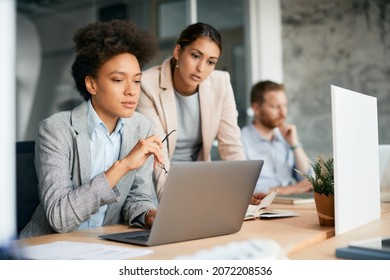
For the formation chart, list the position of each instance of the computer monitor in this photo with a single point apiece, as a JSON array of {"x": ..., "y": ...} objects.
[
  {"x": 7, "y": 111},
  {"x": 384, "y": 167},
  {"x": 356, "y": 159}
]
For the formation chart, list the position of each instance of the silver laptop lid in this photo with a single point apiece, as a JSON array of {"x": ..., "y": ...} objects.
[{"x": 204, "y": 199}]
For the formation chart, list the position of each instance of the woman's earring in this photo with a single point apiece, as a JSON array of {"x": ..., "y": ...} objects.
[{"x": 177, "y": 65}]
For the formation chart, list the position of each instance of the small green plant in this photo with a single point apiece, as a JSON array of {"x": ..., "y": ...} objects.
[{"x": 323, "y": 178}]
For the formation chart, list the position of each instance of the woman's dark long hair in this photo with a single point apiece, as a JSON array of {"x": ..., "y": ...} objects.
[{"x": 195, "y": 31}]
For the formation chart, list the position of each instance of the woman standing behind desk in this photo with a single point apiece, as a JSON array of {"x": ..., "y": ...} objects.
[{"x": 188, "y": 95}]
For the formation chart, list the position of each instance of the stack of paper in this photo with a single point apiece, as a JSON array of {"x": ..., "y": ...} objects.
[{"x": 63, "y": 250}]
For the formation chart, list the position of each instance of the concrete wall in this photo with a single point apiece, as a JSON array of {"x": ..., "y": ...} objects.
[{"x": 343, "y": 43}]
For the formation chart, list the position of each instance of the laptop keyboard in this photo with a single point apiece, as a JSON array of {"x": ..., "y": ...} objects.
[{"x": 138, "y": 235}]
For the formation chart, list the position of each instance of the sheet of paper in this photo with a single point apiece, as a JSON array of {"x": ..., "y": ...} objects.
[
  {"x": 266, "y": 201},
  {"x": 63, "y": 250}
]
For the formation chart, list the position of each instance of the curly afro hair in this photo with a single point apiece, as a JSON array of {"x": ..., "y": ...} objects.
[{"x": 98, "y": 42}]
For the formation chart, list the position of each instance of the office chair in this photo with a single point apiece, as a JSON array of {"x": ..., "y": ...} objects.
[{"x": 27, "y": 198}]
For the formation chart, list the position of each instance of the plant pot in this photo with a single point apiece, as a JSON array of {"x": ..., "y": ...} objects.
[{"x": 325, "y": 209}]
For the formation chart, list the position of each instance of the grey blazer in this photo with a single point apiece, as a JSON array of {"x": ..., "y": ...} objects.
[{"x": 67, "y": 193}]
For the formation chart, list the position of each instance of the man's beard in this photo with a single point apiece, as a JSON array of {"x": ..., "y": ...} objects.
[{"x": 271, "y": 124}]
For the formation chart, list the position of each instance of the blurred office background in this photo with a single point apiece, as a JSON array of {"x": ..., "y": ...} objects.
[{"x": 308, "y": 45}]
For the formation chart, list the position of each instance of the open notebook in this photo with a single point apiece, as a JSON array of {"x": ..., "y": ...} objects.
[
  {"x": 262, "y": 210},
  {"x": 201, "y": 199}
]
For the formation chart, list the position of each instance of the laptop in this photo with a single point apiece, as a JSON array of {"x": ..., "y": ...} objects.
[{"x": 200, "y": 200}]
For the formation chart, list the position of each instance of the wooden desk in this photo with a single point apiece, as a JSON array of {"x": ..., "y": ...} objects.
[
  {"x": 301, "y": 237},
  {"x": 326, "y": 250},
  {"x": 293, "y": 234}
]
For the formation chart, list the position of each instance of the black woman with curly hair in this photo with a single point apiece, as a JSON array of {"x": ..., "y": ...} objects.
[{"x": 95, "y": 162}]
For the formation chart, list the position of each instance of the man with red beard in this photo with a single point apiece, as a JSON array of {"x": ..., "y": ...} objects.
[{"x": 270, "y": 138}]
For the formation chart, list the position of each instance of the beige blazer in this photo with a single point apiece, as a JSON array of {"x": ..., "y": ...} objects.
[{"x": 218, "y": 114}]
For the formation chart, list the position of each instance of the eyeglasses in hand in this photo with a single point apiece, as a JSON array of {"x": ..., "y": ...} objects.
[{"x": 165, "y": 138}]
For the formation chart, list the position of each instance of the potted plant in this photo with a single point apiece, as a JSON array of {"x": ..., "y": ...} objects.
[{"x": 323, "y": 187}]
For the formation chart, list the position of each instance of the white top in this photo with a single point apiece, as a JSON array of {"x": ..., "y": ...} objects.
[{"x": 189, "y": 134}]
